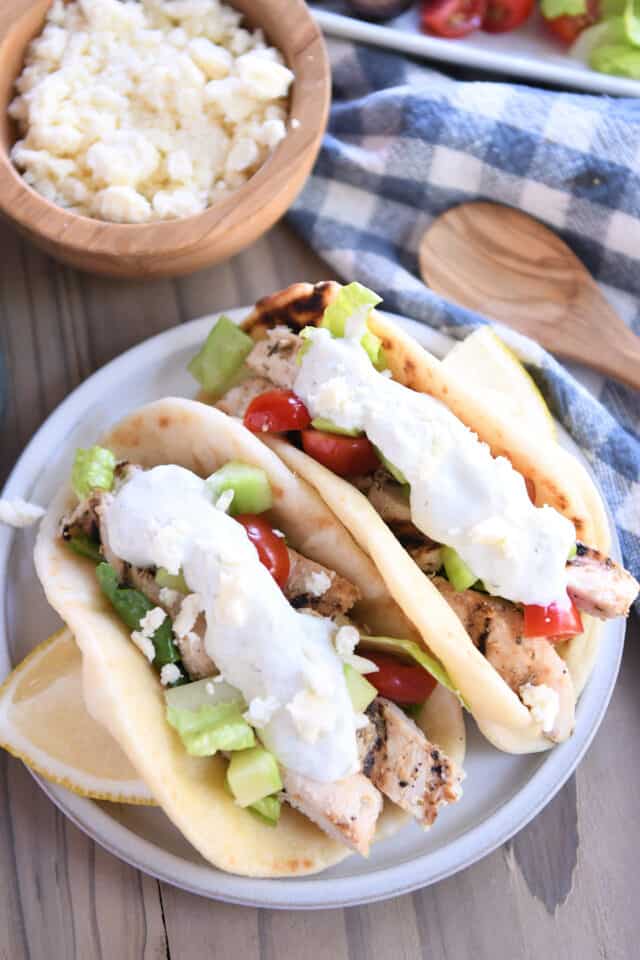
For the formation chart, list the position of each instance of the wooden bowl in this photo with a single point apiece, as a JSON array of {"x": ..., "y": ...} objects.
[{"x": 173, "y": 247}]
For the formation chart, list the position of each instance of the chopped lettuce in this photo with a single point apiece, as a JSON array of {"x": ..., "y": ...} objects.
[
  {"x": 84, "y": 546},
  {"x": 619, "y": 59},
  {"x": 393, "y": 470},
  {"x": 327, "y": 426},
  {"x": 93, "y": 469},
  {"x": 362, "y": 692},
  {"x": 561, "y": 8},
  {"x": 131, "y": 606},
  {"x": 211, "y": 727},
  {"x": 350, "y": 298},
  {"x": 221, "y": 358},
  {"x": 172, "y": 581},
  {"x": 459, "y": 575},
  {"x": 413, "y": 651}
]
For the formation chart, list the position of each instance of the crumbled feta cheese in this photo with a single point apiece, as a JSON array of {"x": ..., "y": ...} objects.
[
  {"x": 295, "y": 123},
  {"x": 312, "y": 715},
  {"x": 316, "y": 583},
  {"x": 155, "y": 109},
  {"x": 151, "y": 621},
  {"x": 345, "y": 642},
  {"x": 543, "y": 702},
  {"x": 261, "y": 710},
  {"x": 169, "y": 597},
  {"x": 192, "y": 605},
  {"x": 225, "y": 500},
  {"x": 144, "y": 645},
  {"x": 169, "y": 674},
  {"x": 20, "y": 513}
]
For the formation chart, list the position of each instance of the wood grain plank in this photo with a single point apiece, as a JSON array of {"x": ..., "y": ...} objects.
[
  {"x": 317, "y": 934},
  {"x": 199, "y": 928}
]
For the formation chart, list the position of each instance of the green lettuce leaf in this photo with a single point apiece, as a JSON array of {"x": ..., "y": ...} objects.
[{"x": 211, "y": 728}]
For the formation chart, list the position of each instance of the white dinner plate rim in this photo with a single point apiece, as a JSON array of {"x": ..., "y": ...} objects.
[{"x": 309, "y": 892}]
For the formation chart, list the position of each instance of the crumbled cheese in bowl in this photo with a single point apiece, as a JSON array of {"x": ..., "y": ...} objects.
[{"x": 133, "y": 112}]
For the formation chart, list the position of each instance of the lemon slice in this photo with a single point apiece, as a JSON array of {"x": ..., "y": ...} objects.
[
  {"x": 44, "y": 722},
  {"x": 486, "y": 363}
]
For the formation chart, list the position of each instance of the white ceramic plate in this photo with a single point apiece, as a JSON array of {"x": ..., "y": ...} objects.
[
  {"x": 502, "y": 793},
  {"x": 529, "y": 52}
]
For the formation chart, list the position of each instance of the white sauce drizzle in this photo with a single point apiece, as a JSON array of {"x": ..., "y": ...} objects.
[
  {"x": 265, "y": 648},
  {"x": 460, "y": 494}
]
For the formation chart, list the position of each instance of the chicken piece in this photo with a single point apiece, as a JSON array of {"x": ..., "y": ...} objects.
[
  {"x": 275, "y": 357},
  {"x": 236, "y": 400},
  {"x": 399, "y": 760},
  {"x": 315, "y": 587},
  {"x": 389, "y": 499},
  {"x": 428, "y": 556},
  {"x": 347, "y": 810},
  {"x": 495, "y": 627},
  {"x": 83, "y": 519},
  {"x": 599, "y": 586}
]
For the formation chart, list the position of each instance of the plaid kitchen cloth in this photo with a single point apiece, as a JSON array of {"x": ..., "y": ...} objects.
[{"x": 405, "y": 143}]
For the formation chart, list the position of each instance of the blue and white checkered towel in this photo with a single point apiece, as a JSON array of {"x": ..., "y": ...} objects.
[{"x": 405, "y": 143}]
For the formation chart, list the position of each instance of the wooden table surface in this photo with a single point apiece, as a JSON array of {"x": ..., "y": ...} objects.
[{"x": 566, "y": 886}]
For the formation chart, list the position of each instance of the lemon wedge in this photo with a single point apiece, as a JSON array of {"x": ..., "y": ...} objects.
[
  {"x": 487, "y": 363},
  {"x": 44, "y": 722}
]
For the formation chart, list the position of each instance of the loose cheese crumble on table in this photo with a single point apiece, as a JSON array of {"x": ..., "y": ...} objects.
[{"x": 132, "y": 112}]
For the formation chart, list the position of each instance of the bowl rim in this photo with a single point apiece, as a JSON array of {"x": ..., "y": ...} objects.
[{"x": 74, "y": 232}]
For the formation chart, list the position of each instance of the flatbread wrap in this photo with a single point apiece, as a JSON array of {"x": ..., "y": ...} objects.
[
  {"x": 508, "y": 534},
  {"x": 218, "y": 604}
]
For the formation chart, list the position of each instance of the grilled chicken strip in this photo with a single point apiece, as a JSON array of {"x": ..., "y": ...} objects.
[
  {"x": 495, "y": 627},
  {"x": 347, "y": 809},
  {"x": 389, "y": 499},
  {"x": 399, "y": 760},
  {"x": 236, "y": 400},
  {"x": 275, "y": 357},
  {"x": 599, "y": 586},
  {"x": 313, "y": 586}
]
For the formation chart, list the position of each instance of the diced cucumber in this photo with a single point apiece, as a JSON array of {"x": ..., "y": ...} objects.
[
  {"x": 393, "y": 470},
  {"x": 327, "y": 426},
  {"x": 267, "y": 810},
  {"x": 573, "y": 551},
  {"x": 221, "y": 357},
  {"x": 250, "y": 485},
  {"x": 362, "y": 692},
  {"x": 171, "y": 581},
  {"x": 253, "y": 774},
  {"x": 458, "y": 573},
  {"x": 372, "y": 344},
  {"x": 93, "y": 469}
]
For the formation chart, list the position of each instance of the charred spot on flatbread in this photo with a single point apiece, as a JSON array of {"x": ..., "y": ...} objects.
[{"x": 297, "y": 306}]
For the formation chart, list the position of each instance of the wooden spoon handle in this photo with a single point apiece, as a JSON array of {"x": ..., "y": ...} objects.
[{"x": 502, "y": 263}]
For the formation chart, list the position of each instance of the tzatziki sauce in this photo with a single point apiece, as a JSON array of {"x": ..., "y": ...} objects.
[
  {"x": 461, "y": 495},
  {"x": 165, "y": 517}
]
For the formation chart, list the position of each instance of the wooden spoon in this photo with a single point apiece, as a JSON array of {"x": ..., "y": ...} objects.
[{"x": 504, "y": 264}]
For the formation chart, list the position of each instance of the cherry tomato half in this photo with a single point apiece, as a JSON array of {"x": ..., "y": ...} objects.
[
  {"x": 452, "y": 18},
  {"x": 276, "y": 411},
  {"x": 567, "y": 28},
  {"x": 552, "y": 622},
  {"x": 505, "y": 15},
  {"x": 399, "y": 681},
  {"x": 346, "y": 456},
  {"x": 272, "y": 550}
]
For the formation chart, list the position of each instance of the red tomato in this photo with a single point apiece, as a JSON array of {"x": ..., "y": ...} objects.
[
  {"x": 505, "y": 15},
  {"x": 452, "y": 18},
  {"x": 399, "y": 681},
  {"x": 276, "y": 411},
  {"x": 272, "y": 550},
  {"x": 552, "y": 622},
  {"x": 567, "y": 28},
  {"x": 346, "y": 456}
]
